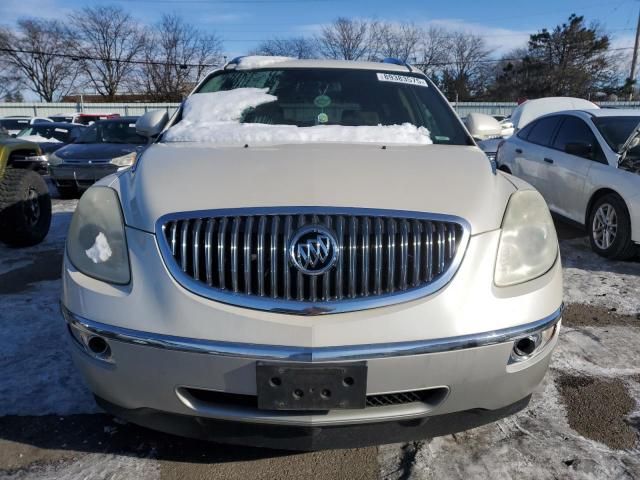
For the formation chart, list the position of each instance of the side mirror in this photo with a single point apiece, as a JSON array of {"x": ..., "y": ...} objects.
[
  {"x": 580, "y": 149},
  {"x": 151, "y": 123},
  {"x": 482, "y": 126}
]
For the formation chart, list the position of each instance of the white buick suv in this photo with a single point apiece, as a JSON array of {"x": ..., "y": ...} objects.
[{"x": 311, "y": 254}]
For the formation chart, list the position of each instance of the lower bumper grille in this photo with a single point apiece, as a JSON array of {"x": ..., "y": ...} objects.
[
  {"x": 431, "y": 397},
  {"x": 246, "y": 257}
]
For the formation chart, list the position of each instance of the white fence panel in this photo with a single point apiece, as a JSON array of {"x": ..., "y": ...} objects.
[
  {"x": 45, "y": 109},
  {"x": 38, "y": 109}
]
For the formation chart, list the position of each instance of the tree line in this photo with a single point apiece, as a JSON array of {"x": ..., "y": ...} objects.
[{"x": 107, "y": 50}]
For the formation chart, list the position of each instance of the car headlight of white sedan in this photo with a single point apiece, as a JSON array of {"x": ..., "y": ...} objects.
[
  {"x": 528, "y": 242},
  {"x": 96, "y": 243}
]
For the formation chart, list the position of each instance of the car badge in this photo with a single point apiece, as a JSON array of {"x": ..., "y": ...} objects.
[{"x": 313, "y": 249}]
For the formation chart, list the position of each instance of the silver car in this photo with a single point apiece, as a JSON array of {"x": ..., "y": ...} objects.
[
  {"x": 312, "y": 254},
  {"x": 586, "y": 164}
]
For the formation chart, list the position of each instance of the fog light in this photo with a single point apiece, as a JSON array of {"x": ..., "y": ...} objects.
[
  {"x": 527, "y": 347},
  {"x": 94, "y": 345},
  {"x": 99, "y": 346}
]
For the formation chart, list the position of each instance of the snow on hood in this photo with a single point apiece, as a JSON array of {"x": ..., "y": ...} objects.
[
  {"x": 215, "y": 118},
  {"x": 39, "y": 139}
]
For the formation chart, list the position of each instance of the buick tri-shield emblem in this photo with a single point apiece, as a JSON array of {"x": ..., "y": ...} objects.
[{"x": 313, "y": 249}]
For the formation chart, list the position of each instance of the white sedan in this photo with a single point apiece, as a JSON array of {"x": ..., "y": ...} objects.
[{"x": 586, "y": 164}]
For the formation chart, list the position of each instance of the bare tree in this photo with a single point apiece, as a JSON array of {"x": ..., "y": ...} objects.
[
  {"x": 432, "y": 52},
  {"x": 177, "y": 55},
  {"x": 297, "y": 47},
  {"x": 27, "y": 55},
  {"x": 345, "y": 39},
  {"x": 465, "y": 75},
  {"x": 399, "y": 41},
  {"x": 109, "y": 39}
]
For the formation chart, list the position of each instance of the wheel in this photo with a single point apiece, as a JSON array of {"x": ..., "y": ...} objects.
[
  {"x": 610, "y": 228},
  {"x": 67, "y": 191},
  {"x": 25, "y": 208}
]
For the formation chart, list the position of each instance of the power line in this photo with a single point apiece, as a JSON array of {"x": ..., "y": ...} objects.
[{"x": 110, "y": 60}]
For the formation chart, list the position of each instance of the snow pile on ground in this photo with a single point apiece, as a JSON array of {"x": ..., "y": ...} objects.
[
  {"x": 39, "y": 139},
  {"x": 214, "y": 118},
  {"x": 260, "y": 61},
  {"x": 593, "y": 280}
]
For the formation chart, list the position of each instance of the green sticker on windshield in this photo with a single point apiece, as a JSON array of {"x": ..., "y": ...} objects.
[
  {"x": 323, "y": 118},
  {"x": 322, "y": 101}
]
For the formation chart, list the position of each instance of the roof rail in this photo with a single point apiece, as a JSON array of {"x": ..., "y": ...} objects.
[{"x": 396, "y": 61}]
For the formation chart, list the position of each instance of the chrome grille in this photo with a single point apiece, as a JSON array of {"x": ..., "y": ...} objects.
[{"x": 242, "y": 257}]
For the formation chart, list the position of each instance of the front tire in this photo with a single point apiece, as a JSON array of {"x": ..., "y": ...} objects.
[
  {"x": 609, "y": 228},
  {"x": 25, "y": 208}
]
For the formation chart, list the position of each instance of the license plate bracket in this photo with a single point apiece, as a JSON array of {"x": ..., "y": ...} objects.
[{"x": 289, "y": 386}]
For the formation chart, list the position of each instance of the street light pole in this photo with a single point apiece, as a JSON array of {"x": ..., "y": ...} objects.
[{"x": 634, "y": 61}]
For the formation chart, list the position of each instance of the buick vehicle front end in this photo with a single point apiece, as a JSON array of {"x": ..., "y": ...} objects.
[{"x": 309, "y": 286}]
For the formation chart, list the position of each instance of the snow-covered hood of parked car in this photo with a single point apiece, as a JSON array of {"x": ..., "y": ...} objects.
[{"x": 183, "y": 177}]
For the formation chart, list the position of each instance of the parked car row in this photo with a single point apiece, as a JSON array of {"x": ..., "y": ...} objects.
[{"x": 14, "y": 124}]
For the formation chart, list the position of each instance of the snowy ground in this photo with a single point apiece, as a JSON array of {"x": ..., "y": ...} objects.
[{"x": 582, "y": 422}]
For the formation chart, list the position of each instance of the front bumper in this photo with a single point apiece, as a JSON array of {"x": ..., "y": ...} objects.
[
  {"x": 153, "y": 380},
  {"x": 80, "y": 175},
  {"x": 311, "y": 438}
]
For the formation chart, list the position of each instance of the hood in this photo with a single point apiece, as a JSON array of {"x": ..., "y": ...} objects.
[
  {"x": 96, "y": 151},
  {"x": 452, "y": 180},
  {"x": 50, "y": 147},
  {"x": 630, "y": 142}
]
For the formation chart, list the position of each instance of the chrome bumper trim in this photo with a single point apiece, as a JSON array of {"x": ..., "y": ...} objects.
[{"x": 308, "y": 354}]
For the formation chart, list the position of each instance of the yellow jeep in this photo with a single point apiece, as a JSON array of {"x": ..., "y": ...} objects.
[{"x": 25, "y": 204}]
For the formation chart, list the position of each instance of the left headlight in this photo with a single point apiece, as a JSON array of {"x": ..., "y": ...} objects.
[
  {"x": 125, "y": 160},
  {"x": 96, "y": 243},
  {"x": 528, "y": 241}
]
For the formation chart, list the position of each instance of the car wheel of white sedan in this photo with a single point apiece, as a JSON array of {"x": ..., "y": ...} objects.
[{"x": 610, "y": 228}]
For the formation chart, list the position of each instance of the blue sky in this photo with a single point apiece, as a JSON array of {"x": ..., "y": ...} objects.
[{"x": 242, "y": 24}]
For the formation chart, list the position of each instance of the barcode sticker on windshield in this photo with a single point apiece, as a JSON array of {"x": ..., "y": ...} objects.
[{"x": 392, "y": 77}]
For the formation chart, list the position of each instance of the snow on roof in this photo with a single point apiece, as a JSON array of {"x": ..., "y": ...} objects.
[
  {"x": 259, "y": 61},
  {"x": 215, "y": 118}
]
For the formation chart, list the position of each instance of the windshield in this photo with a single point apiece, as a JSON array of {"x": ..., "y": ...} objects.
[
  {"x": 333, "y": 97},
  {"x": 42, "y": 132},
  {"x": 13, "y": 124},
  {"x": 112, "y": 132},
  {"x": 616, "y": 130}
]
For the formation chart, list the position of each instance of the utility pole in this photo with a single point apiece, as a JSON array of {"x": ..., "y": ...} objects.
[{"x": 634, "y": 61}]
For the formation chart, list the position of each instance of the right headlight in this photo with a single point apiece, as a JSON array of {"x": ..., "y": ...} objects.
[
  {"x": 528, "y": 243},
  {"x": 96, "y": 243}
]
